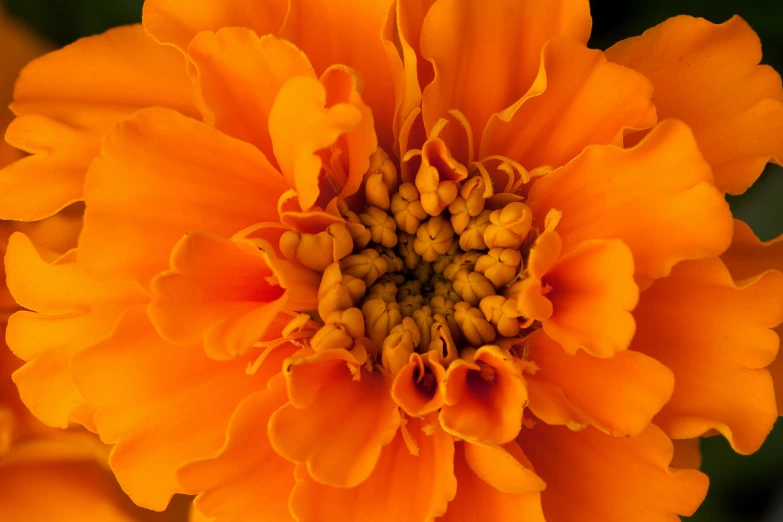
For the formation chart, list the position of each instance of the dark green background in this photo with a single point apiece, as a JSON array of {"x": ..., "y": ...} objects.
[{"x": 744, "y": 489}]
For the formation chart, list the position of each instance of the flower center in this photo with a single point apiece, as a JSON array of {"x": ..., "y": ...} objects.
[{"x": 429, "y": 266}]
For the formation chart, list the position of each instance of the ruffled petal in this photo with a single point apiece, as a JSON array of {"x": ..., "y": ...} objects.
[
  {"x": 239, "y": 75},
  {"x": 708, "y": 76},
  {"x": 404, "y": 486},
  {"x": 227, "y": 293},
  {"x": 100, "y": 81},
  {"x": 357, "y": 34},
  {"x": 657, "y": 197},
  {"x": 177, "y": 22},
  {"x": 69, "y": 311},
  {"x": 487, "y": 54},
  {"x": 161, "y": 175},
  {"x": 162, "y": 405},
  {"x": 610, "y": 478},
  {"x": 715, "y": 336},
  {"x": 478, "y": 500},
  {"x": 339, "y": 418},
  {"x": 247, "y": 480},
  {"x": 619, "y": 395},
  {"x": 505, "y": 468},
  {"x": 748, "y": 256},
  {"x": 578, "y": 99}
]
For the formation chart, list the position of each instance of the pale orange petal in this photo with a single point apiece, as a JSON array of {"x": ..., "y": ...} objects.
[
  {"x": 247, "y": 480},
  {"x": 708, "y": 76},
  {"x": 100, "y": 81},
  {"x": 69, "y": 312},
  {"x": 715, "y": 336},
  {"x": 162, "y": 405},
  {"x": 748, "y": 256},
  {"x": 239, "y": 75},
  {"x": 179, "y": 21},
  {"x": 487, "y": 54},
  {"x": 505, "y": 468},
  {"x": 356, "y": 33},
  {"x": 657, "y": 197},
  {"x": 402, "y": 487},
  {"x": 161, "y": 175},
  {"x": 606, "y": 478},
  {"x": 619, "y": 395},
  {"x": 339, "y": 418},
  {"x": 477, "y": 500},
  {"x": 578, "y": 99}
]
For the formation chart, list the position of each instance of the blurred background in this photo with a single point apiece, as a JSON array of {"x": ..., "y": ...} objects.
[{"x": 743, "y": 489}]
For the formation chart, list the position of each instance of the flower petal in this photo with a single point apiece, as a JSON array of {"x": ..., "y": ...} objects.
[
  {"x": 355, "y": 33},
  {"x": 247, "y": 480},
  {"x": 402, "y": 486},
  {"x": 226, "y": 293},
  {"x": 748, "y": 256},
  {"x": 74, "y": 311},
  {"x": 505, "y": 468},
  {"x": 619, "y": 395},
  {"x": 657, "y": 197},
  {"x": 578, "y": 99},
  {"x": 610, "y": 478},
  {"x": 487, "y": 54},
  {"x": 161, "y": 404},
  {"x": 161, "y": 175},
  {"x": 177, "y": 22},
  {"x": 101, "y": 80},
  {"x": 708, "y": 76},
  {"x": 339, "y": 418},
  {"x": 478, "y": 500},
  {"x": 239, "y": 75},
  {"x": 715, "y": 336}
]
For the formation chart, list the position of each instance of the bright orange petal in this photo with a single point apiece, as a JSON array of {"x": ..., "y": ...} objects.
[
  {"x": 477, "y": 500},
  {"x": 179, "y": 21},
  {"x": 715, "y": 336},
  {"x": 247, "y": 480},
  {"x": 748, "y": 256},
  {"x": 162, "y": 405},
  {"x": 578, "y": 99},
  {"x": 239, "y": 75},
  {"x": 687, "y": 453},
  {"x": 225, "y": 293},
  {"x": 776, "y": 370},
  {"x": 339, "y": 418},
  {"x": 606, "y": 478},
  {"x": 100, "y": 80},
  {"x": 161, "y": 175},
  {"x": 708, "y": 76},
  {"x": 486, "y": 55},
  {"x": 505, "y": 468},
  {"x": 402, "y": 487},
  {"x": 619, "y": 395},
  {"x": 355, "y": 33},
  {"x": 657, "y": 197},
  {"x": 69, "y": 312}
]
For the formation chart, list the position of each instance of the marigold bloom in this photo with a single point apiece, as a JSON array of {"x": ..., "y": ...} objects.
[{"x": 357, "y": 260}]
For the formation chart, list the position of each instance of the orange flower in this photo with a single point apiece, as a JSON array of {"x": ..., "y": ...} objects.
[{"x": 375, "y": 260}]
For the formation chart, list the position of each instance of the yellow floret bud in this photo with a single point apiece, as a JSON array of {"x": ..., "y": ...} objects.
[
  {"x": 475, "y": 328},
  {"x": 406, "y": 208},
  {"x": 459, "y": 217},
  {"x": 338, "y": 291},
  {"x": 474, "y": 193},
  {"x": 367, "y": 265},
  {"x": 379, "y": 318},
  {"x": 382, "y": 227},
  {"x": 406, "y": 252},
  {"x": 409, "y": 288},
  {"x": 472, "y": 238},
  {"x": 502, "y": 313},
  {"x": 342, "y": 328},
  {"x": 460, "y": 261},
  {"x": 509, "y": 226},
  {"x": 399, "y": 345},
  {"x": 445, "y": 288},
  {"x": 395, "y": 262},
  {"x": 437, "y": 177},
  {"x": 424, "y": 321},
  {"x": 472, "y": 286},
  {"x": 385, "y": 290},
  {"x": 499, "y": 265},
  {"x": 423, "y": 272},
  {"x": 433, "y": 238},
  {"x": 359, "y": 233},
  {"x": 317, "y": 251},
  {"x": 381, "y": 180},
  {"x": 442, "y": 343}
]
